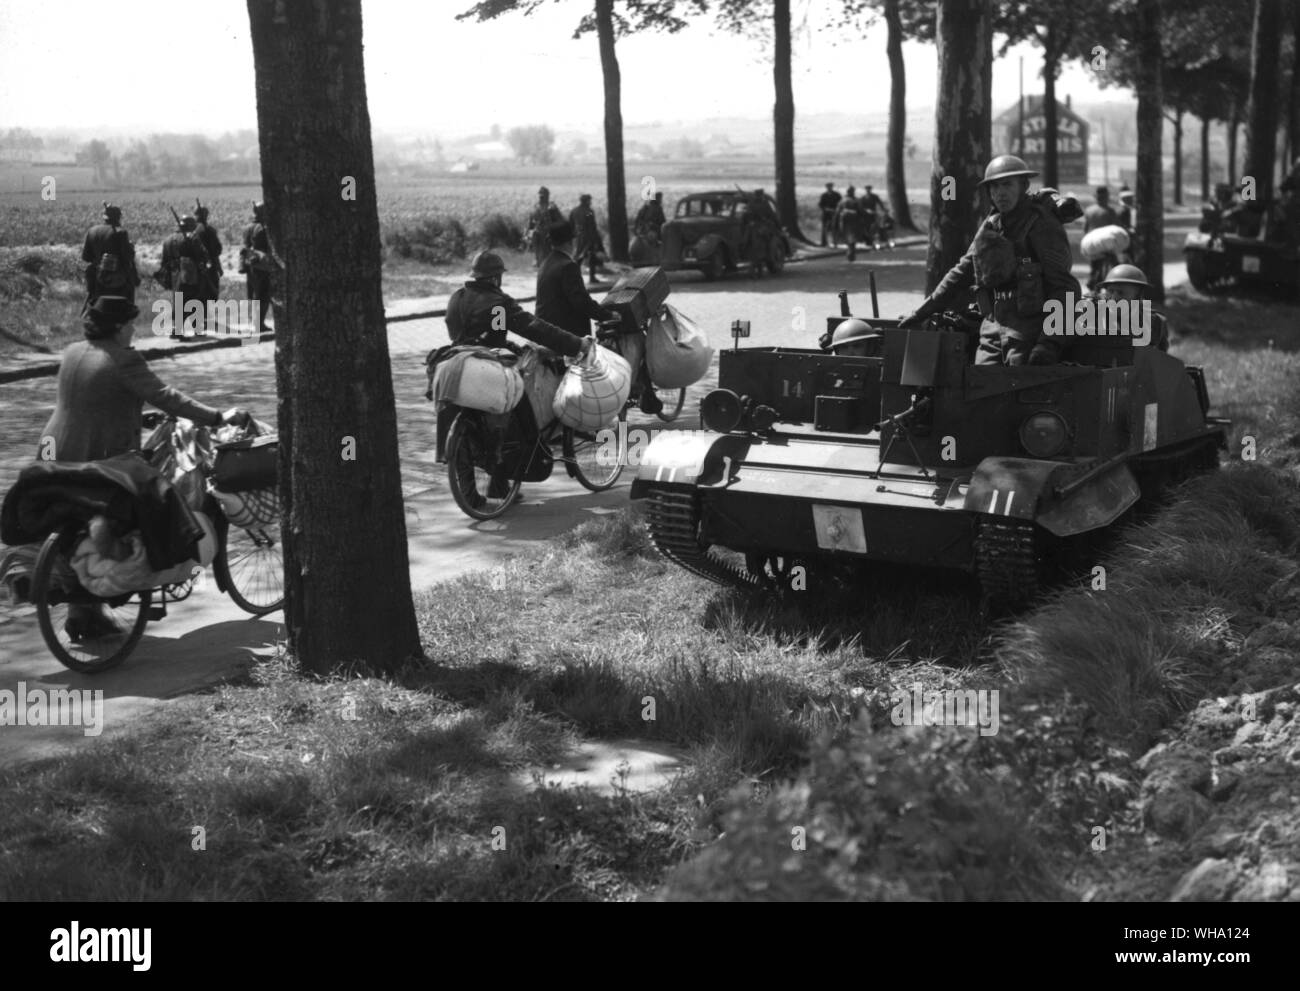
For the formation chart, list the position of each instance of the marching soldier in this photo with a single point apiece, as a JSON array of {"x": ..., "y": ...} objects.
[
  {"x": 590, "y": 247},
  {"x": 110, "y": 259},
  {"x": 207, "y": 236},
  {"x": 544, "y": 214},
  {"x": 256, "y": 261},
  {"x": 1019, "y": 259},
  {"x": 183, "y": 263},
  {"x": 827, "y": 203}
]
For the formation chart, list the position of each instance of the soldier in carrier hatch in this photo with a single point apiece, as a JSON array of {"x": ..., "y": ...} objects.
[{"x": 1019, "y": 259}]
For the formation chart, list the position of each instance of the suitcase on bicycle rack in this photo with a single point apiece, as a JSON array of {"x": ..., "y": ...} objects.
[{"x": 638, "y": 296}]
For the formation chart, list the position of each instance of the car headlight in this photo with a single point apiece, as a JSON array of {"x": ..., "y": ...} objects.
[{"x": 1044, "y": 434}]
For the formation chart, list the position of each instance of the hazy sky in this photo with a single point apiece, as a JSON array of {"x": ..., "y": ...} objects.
[{"x": 83, "y": 63}]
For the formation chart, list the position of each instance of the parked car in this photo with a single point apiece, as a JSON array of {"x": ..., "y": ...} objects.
[{"x": 709, "y": 232}]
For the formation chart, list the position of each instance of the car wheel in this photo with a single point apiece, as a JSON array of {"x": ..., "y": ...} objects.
[{"x": 716, "y": 267}]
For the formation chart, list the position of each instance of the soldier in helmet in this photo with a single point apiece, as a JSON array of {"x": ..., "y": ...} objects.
[
  {"x": 544, "y": 214},
  {"x": 207, "y": 236},
  {"x": 1019, "y": 260},
  {"x": 257, "y": 263},
  {"x": 590, "y": 248},
  {"x": 1128, "y": 282},
  {"x": 183, "y": 263},
  {"x": 480, "y": 313},
  {"x": 110, "y": 259},
  {"x": 855, "y": 337}
]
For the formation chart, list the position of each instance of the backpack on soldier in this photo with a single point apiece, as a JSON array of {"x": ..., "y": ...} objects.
[{"x": 111, "y": 276}]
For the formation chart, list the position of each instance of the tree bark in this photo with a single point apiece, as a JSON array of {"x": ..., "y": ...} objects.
[
  {"x": 895, "y": 177},
  {"x": 347, "y": 578},
  {"x": 1051, "y": 68},
  {"x": 1205, "y": 159},
  {"x": 615, "y": 179},
  {"x": 1234, "y": 122},
  {"x": 1149, "y": 194},
  {"x": 962, "y": 131},
  {"x": 1261, "y": 113},
  {"x": 1293, "y": 118},
  {"x": 787, "y": 206},
  {"x": 1178, "y": 157}
]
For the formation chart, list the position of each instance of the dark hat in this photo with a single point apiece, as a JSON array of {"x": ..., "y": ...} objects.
[
  {"x": 1102, "y": 193},
  {"x": 543, "y": 191},
  {"x": 830, "y": 185},
  {"x": 188, "y": 223},
  {"x": 112, "y": 214},
  {"x": 561, "y": 231},
  {"x": 585, "y": 198},
  {"x": 108, "y": 314},
  {"x": 258, "y": 209}
]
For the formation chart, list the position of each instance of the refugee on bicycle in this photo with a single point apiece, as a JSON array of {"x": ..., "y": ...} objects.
[
  {"x": 103, "y": 385},
  {"x": 480, "y": 313}
]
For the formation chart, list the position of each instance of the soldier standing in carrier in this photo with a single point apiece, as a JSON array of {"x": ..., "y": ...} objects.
[
  {"x": 256, "y": 261},
  {"x": 110, "y": 259},
  {"x": 1019, "y": 259},
  {"x": 544, "y": 214},
  {"x": 827, "y": 203},
  {"x": 183, "y": 263}
]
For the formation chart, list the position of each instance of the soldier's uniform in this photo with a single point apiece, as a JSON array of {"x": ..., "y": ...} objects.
[
  {"x": 590, "y": 248},
  {"x": 117, "y": 277},
  {"x": 827, "y": 203},
  {"x": 257, "y": 246},
  {"x": 207, "y": 236},
  {"x": 1019, "y": 261},
  {"x": 184, "y": 261},
  {"x": 650, "y": 218},
  {"x": 544, "y": 214}
]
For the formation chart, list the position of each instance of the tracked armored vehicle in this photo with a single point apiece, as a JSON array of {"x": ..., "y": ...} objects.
[{"x": 913, "y": 455}]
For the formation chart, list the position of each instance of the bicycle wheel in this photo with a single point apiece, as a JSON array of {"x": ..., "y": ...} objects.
[
  {"x": 250, "y": 566},
  {"x": 469, "y": 470},
  {"x": 120, "y": 621},
  {"x": 596, "y": 458}
]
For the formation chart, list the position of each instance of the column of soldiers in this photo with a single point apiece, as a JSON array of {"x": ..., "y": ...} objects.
[
  {"x": 190, "y": 268},
  {"x": 855, "y": 218}
]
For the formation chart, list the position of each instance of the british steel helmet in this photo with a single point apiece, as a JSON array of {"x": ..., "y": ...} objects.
[
  {"x": 851, "y": 330},
  {"x": 1004, "y": 167},
  {"x": 1126, "y": 273},
  {"x": 486, "y": 264},
  {"x": 188, "y": 223}
]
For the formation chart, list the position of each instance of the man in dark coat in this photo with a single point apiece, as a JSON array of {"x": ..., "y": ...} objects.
[
  {"x": 827, "y": 203},
  {"x": 562, "y": 299},
  {"x": 183, "y": 263},
  {"x": 211, "y": 242},
  {"x": 589, "y": 249},
  {"x": 257, "y": 262},
  {"x": 1012, "y": 295},
  {"x": 110, "y": 259}
]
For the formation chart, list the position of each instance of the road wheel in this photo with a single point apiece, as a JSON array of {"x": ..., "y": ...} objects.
[
  {"x": 716, "y": 267},
  {"x": 775, "y": 256}
]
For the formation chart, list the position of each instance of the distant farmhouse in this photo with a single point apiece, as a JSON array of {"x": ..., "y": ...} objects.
[{"x": 1071, "y": 138}]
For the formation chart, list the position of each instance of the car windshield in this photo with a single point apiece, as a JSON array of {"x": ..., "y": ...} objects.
[{"x": 704, "y": 207}]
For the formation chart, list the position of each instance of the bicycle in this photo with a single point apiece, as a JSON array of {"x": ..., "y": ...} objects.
[
  {"x": 489, "y": 456},
  {"x": 609, "y": 336},
  {"x": 248, "y": 566}
]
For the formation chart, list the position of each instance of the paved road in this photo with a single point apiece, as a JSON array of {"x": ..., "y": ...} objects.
[{"x": 207, "y": 639}]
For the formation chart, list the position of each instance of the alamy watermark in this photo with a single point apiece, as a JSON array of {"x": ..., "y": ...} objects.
[
  {"x": 175, "y": 315},
  {"x": 60, "y": 707},
  {"x": 1096, "y": 317},
  {"x": 945, "y": 707}
]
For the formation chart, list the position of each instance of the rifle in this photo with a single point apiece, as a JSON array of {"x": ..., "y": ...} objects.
[{"x": 175, "y": 215}]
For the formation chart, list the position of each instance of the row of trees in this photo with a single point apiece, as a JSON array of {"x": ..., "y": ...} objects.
[{"x": 346, "y": 565}]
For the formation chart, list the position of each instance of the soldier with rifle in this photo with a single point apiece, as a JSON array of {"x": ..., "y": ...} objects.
[
  {"x": 110, "y": 259},
  {"x": 207, "y": 236},
  {"x": 183, "y": 263},
  {"x": 544, "y": 214},
  {"x": 257, "y": 263}
]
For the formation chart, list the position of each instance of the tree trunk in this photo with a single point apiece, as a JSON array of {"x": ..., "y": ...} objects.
[
  {"x": 1051, "y": 68},
  {"x": 787, "y": 206},
  {"x": 1293, "y": 118},
  {"x": 895, "y": 177},
  {"x": 1149, "y": 195},
  {"x": 1178, "y": 157},
  {"x": 1234, "y": 122},
  {"x": 615, "y": 180},
  {"x": 1205, "y": 159},
  {"x": 347, "y": 578},
  {"x": 962, "y": 131},
  {"x": 1261, "y": 114}
]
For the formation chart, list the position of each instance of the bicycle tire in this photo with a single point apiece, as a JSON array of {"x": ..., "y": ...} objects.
[
  {"x": 468, "y": 475},
  {"x": 52, "y": 624},
  {"x": 587, "y": 457},
  {"x": 253, "y": 576}
]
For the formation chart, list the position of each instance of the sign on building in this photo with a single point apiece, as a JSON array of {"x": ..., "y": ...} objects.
[{"x": 1030, "y": 140}]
